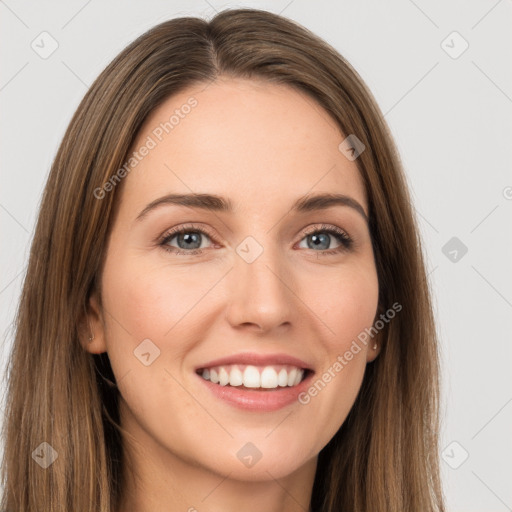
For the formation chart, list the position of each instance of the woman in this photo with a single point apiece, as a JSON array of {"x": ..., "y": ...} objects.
[{"x": 226, "y": 304}]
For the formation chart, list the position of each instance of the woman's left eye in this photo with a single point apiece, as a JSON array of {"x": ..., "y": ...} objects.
[
  {"x": 189, "y": 239},
  {"x": 323, "y": 236}
]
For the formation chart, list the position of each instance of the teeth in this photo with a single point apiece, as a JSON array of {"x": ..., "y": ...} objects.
[
  {"x": 235, "y": 377},
  {"x": 268, "y": 377},
  {"x": 251, "y": 377},
  {"x": 282, "y": 378},
  {"x": 291, "y": 376},
  {"x": 223, "y": 377}
]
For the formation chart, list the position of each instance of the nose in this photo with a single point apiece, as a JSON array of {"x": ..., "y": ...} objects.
[{"x": 261, "y": 293}]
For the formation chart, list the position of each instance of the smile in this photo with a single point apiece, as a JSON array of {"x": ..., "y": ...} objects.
[
  {"x": 254, "y": 377},
  {"x": 255, "y": 381}
]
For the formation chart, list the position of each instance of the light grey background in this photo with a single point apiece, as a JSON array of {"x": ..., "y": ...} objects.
[{"x": 452, "y": 124}]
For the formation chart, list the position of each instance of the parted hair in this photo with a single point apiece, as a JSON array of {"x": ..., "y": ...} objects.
[{"x": 384, "y": 457}]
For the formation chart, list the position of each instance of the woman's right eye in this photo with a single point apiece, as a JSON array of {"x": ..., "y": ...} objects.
[{"x": 187, "y": 239}]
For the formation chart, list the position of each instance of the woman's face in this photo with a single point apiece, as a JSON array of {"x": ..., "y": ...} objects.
[{"x": 255, "y": 293}]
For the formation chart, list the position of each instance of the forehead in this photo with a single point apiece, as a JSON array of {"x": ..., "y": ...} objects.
[{"x": 244, "y": 139}]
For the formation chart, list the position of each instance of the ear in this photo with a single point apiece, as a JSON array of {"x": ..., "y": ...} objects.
[
  {"x": 377, "y": 340},
  {"x": 371, "y": 353},
  {"x": 92, "y": 326}
]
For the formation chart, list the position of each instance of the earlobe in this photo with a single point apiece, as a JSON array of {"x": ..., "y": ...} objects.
[
  {"x": 375, "y": 344},
  {"x": 92, "y": 331},
  {"x": 374, "y": 348}
]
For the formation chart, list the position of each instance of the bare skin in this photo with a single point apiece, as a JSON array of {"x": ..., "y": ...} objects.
[{"x": 261, "y": 146}]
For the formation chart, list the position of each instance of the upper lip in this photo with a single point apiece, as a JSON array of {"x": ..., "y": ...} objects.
[{"x": 257, "y": 360}]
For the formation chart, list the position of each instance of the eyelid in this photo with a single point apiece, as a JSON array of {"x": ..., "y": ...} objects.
[
  {"x": 185, "y": 227},
  {"x": 324, "y": 227},
  {"x": 347, "y": 241}
]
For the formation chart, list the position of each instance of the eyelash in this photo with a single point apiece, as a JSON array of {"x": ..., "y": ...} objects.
[{"x": 345, "y": 241}]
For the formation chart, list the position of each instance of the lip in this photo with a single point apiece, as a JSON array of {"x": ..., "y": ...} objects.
[
  {"x": 258, "y": 400},
  {"x": 258, "y": 360}
]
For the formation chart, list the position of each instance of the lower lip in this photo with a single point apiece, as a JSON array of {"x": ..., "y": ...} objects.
[{"x": 258, "y": 400}]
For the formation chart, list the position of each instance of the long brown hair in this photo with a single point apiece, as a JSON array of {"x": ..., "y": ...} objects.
[{"x": 385, "y": 455}]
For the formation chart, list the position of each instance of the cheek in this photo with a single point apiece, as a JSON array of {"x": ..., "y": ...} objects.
[
  {"x": 148, "y": 301},
  {"x": 144, "y": 302},
  {"x": 346, "y": 304}
]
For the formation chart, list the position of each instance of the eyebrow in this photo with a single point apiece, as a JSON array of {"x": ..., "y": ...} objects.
[{"x": 216, "y": 203}]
